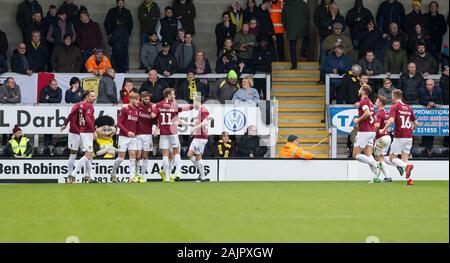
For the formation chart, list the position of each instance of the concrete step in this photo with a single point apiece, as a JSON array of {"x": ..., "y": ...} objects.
[
  {"x": 312, "y": 109},
  {"x": 304, "y": 132},
  {"x": 319, "y": 148},
  {"x": 300, "y": 65},
  {"x": 301, "y": 102},
  {"x": 300, "y": 117},
  {"x": 296, "y": 79},
  {"x": 301, "y": 125},
  {"x": 298, "y": 94},
  {"x": 297, "y": 86}
]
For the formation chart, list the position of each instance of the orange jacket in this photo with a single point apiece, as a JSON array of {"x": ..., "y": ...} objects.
[
  {"x": 292, "y": 150},
  {"x": 98, "y": 69},
  {"x": 275, "y": 14}
]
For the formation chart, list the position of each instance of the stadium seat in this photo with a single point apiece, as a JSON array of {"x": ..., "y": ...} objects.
[
  {"x": 419, "y": 152},
  {"x": 439, "y": 152},
  {"x": 61, "y": 151},
  {"x": 41, "y": 151}
]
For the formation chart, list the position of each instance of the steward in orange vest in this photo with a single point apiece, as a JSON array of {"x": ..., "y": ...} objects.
[
  {"x": 292, "y": 150},
  {"x": 275, "y": 14}
]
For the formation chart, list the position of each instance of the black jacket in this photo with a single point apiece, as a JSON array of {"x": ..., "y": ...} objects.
[
  {"x": 223, "y": 33},
  {"x": 349, "y": 90},
  {"x": 115, "y": 14},
  {"x": 265, "y": 23},
  {"x": 119, "y": 39},
  {"x": 357, "y": 19},
  {"x": 166, "y": 63},
  {"x": 251, "y": 145},
  {"x": 30, "y": 28},
  {"x": 183, "y": 92},
  {"x": 443, "y": 84},
  {"x": 326, "y": 24},
  {"x": 438, "y": 28},
  {"x": 412, "y": 19},
  {"x": 169, "y": 29},
  {"x": 74, "y": 97},
  {"x": 148, "y": 17},
  {"x": 3, "y": 43},
  {"x": 262, "y": 59},
  {"x": 225, "y": 68},
  {"x": 3, "y": 64},
  {"x": 71, "y": 11},
  {"x": 372, "y": 40},
  {"x": 17, "y": 64},
  {"x": 426, "y": 64},
  {"x": 37, "y": 57},
  {"x": 411, "y": 86},
  {"x": 25, "y": 11},
  {"x": 320, "y": 13},
  {"x": 426, "y": 97},
  {"x": 54, "y": 96},
  {"x": 156, "y": 89},
  {"x": 187, "y": 13},
  {"x": 388, "y": 13}
]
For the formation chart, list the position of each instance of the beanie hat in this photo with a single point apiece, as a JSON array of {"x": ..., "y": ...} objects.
[
  {"x": 16, "y": 129},
  {"x": 292, "y": 138},
  {"x": 232, "y": 75}
]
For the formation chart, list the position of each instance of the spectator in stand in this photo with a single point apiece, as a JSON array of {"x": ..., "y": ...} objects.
[
  {"x": 127, "y": 89},
  {"x": 416, "y": 18},
  {"x": 424, "y": 61},
  {"x": 225, "y": 147},
  {"x": 276, "y": 10},
  {"x": 372, "y": 39},
  {"x": 229, "y": 48},
  {"x": 35, "y": 25},
  {"x": 10, "y": 92},
  {"x": 336, "y": 63},
  {"x": 410, "y": 83},
  {"x": 262, "y": 57},
  {"x": 395, "y": 59},
  {"x": 37, "y": 53},
  {"x": 226, "y": 87},
  {"x": 244, "y": 42},
  {"x": 224, "y": 30},
  {"x": 386, "y": 90},
  {"x": 357, "y": 19},
  {"x": 89, "y": 35},
  {"x": 75, "y": 92},
  {"x": 67, "y": 57},
  {"x": 3, "y": 44},
  {"x": 50, "y": 94},
  {"x": 251, "y": 145},
  {"x": 50, "y": 19},
  {"x": 327, "y": 21},
  {"x": 250, "y": 10},
  {"x": 150, "y": 51},
  {"x": 149, "y": 14},
  {"x": 443, "y": 84},
  {"x": 418, "y": 38},
  {"x": 430, "y": 97},
  {"x": 337, "y": 38},
  {"x": 200, "y": 64},
  {"x": 107, "y": 89},
  {"x": 191, "y": 88},
  {"x": 351, "y": 82},
  {"x": 71, "y": 10},
  {"x": 247, "y": 95},
  {"x": 19, "y": 146},
  {"x": 20, "y": 62},
  {"x": 154, "y": 86},
  {"x": 3, "y": 64},
  {"x": 295, "y": 17},
  {"x": 119, "y": 41},
  {"x": 58, "y": 30},
  {"x": 264, "y": 21},
  {"x": 438, "y": 28},
  {"x": 181, "y": 38},
  {"x": 184, "y": 10},
  {"x": 24, "y": 14},
  {"x": 236, "y": 14},
  {"x": 253, "y": 27},
  {"x": 395, "y": 33},
  {"x": 166, "y": 64},
  {"x": 370, "y": 64},
  {"x": 225, "y": 63},
  {"x": 185, "y": 54},
  {"x": 97, "y": 63},
  {"x": 390, "y": 11},
  {"x": 168, "y": 26},
  {"x": 118, "y": 16}
]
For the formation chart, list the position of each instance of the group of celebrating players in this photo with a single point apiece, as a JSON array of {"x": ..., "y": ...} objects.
[
  {"x": 373, "y": 140},
  {"x": 135, "y": 121}
]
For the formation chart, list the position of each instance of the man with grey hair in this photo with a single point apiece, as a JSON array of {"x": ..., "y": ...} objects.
[
  {"x": 10, "y": 92},
  {"x": 349, "y": 86},
  {"x": 410, "y": 83},
  {"x": 250, "y": 145},
  {"x": 107, "y": 89},
  {"x": 430, "y": 97}
]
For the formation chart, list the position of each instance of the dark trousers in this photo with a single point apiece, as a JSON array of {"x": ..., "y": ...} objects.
[
  {"x": 280, "y": 47},
  {"x": 120, "y": 60},
  {"x": 293, "y": 52},
  {"x": 305, "y": 45},
  {"x": 427, "y": 142}
]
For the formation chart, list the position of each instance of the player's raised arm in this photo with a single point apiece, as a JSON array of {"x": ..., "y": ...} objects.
[
  {"x": 72, "y": 114},
  {"x": 185, "y": 108}
]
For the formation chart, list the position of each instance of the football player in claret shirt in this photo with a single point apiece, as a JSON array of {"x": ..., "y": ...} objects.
[
  {"x": 127, "y": 122},
  {"x": 144, "y": 132},
  {"x": 382, "y": 140},
  {"x": 363, "y": 147},
  {"x": 200, "y": 138},
  {"x": 82, "y": 121},
  {"x": 166, "y": 113},
  {"x": 402, "y": 116}
]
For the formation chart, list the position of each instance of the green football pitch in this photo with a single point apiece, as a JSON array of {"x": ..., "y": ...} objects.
[{"x": 226, "y": 212}]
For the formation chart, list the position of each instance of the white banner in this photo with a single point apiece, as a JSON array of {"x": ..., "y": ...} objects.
[
  {"x": 57, "y": 170},
  {"x": 47, "y": 119}
]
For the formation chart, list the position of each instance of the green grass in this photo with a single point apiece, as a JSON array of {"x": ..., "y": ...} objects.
[{"x": 226, "y": 212}]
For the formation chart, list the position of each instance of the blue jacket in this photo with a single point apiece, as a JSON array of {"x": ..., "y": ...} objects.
[
  {"x": 388, "y": 13},
  {"x": 342, "y": 63},
  {"x": 426, "y": 97}
]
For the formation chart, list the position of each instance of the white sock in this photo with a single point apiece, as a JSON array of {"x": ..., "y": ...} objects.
[
  {"x": 166, "y": 167},
  {"x": 399, "y": 162},
  {"x": 177, "y": 163},
  {"x": 384, "y": 171},
  {"x": 89, "y": 169},
  {"x": 171, "y": 164},
  {"x": 388, "y": 161},
  {"x": 201, "y": 168},
  {"x": 71, "y": 163},
  {"x": 117, "y": 163},
  {"x": 79, "y": 165},
  {"x": 144, "y": 166},
  {"x": 132, "y": 167},
  {"x": 194, "y": 161},
  {"x": 137, "y": 165},
  {"x": 366, "y": 159}
]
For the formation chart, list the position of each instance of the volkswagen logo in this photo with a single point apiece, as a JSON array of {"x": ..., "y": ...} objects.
[{"x": 235, "y": 120}]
